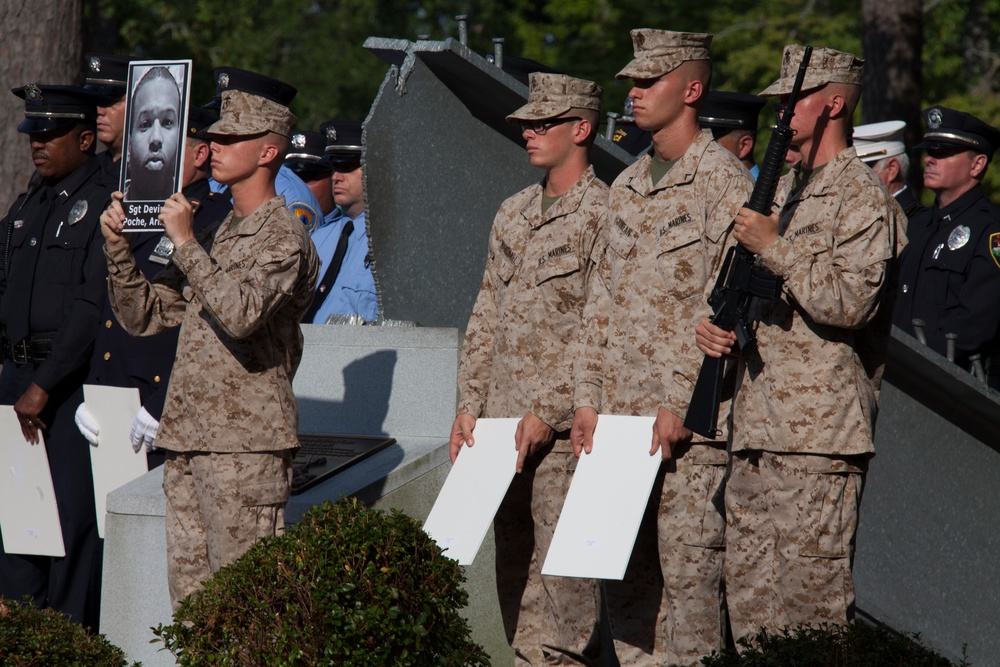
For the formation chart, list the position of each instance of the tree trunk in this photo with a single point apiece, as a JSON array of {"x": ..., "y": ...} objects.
[
  {"x": 41, "y": 43},
  {"x": 892, "y": 39}
]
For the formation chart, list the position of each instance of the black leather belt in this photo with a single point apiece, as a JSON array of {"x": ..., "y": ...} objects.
[{"x": 33, "y": 348}]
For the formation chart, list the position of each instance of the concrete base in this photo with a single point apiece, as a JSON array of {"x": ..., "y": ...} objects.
[{"x": 394, "y": 381}]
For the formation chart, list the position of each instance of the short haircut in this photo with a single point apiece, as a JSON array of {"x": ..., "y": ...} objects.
[{"x": 904, "y": 165}]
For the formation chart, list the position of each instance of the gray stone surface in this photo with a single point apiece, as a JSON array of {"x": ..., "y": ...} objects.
[
  {"x": 928, "y": 538},
  {"x": 134, "y": 596},
  {"x": 374, "y": 380},
  {"x": 439, "y": 160}
]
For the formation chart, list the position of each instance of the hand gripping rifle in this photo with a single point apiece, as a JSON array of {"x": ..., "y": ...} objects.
[{"x": 741, "y": 280}]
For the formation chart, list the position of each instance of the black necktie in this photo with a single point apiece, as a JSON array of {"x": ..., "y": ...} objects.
[{"x": 331, "y": 273}]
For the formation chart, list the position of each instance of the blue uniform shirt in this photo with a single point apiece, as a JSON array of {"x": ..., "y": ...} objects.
[
  {"x": 298, "y": 197},
  {"x": 354, "y": 290}
]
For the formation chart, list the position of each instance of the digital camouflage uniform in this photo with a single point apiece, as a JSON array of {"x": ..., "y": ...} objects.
[
  {"x": 659, "y": 256},
  {"x": 238, "y": 306},
  {"x": 517, "y": 358},
  {"x": 804, "y": 418}
]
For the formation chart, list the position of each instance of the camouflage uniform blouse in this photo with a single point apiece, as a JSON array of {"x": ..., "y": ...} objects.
[
  {"x": 522, "y": 337},
  {"x": 238, "y": 306},
  {"x": 815, "y": 393},
  {"x": 661, "y": 252}
]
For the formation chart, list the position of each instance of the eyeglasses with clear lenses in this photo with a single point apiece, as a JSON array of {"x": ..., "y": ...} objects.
[{"x": 540, "y": 127}]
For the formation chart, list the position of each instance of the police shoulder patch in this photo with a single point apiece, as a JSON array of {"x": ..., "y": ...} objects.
[
  {"x": 305, "y": 214},
  {"x": 995, "y": 248}
]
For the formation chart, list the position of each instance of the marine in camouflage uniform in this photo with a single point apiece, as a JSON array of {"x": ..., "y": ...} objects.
[
  {"x": 230, "y": 420},
  {"x": 517, "y": 361},
  {"x": 665, "y": 241},
  {"x": 803, "y": 418}
]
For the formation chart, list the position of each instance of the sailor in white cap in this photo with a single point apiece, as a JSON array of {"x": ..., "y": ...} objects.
[{"x": 881, "y": 147}]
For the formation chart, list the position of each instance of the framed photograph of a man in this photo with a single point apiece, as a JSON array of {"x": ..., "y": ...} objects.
[{"x": 153, "y": 151}]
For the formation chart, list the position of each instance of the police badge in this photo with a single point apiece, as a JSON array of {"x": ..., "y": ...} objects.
[
  {"x": 77, "y": 212},
  {"x": 934, "y": 119},
  {"x": 299, "y": 140},
  {"x": 995, "y": 248},
  {"x": 163, "y": 250},
  {"x": 33, "y": 93},
  {"x": 958, "y": 237}
]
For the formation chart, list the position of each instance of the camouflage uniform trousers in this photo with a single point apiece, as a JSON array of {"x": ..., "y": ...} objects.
[
  {"x": 548, "y": 620},
  {"x": 792, "y": 521},
  {"x": 669, "y": 608},
  {"x": 218, "y": 505}
]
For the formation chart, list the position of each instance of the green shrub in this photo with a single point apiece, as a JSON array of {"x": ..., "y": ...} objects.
[
  {"x": 851, "y": 645},
  {"x": 345, "y": 586},
  {"x": 31, "y": 637}
]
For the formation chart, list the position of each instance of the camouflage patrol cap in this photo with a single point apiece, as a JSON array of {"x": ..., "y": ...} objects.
[
  {"x": 552, "y": 95},
  {"x": 252, "y": 104},
  {"x": 825, "y": 66},
  {"x": 658, "y": 52}
]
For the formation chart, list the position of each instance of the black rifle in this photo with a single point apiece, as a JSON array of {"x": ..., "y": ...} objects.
[{"x": 741, "y": 280}]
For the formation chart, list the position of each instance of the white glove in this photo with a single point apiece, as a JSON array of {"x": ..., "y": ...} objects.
[
  {"x": 143, "y": 431},
  {"x": 87, "y": 424}
]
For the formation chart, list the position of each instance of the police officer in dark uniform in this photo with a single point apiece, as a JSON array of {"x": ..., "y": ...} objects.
[
  {"x": 120, "y": 360},
  {"x": 107, "y": 76},
  {"x": 950, "y": 271},
  {"x": 52, "y": 290}
]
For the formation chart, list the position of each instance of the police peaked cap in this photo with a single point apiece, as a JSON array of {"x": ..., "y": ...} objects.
[
  {"x": 252, "y": 83},
  {"x": 343, "y": 140},
  {"x": 106, "y": 75},
  {"x": 49, "y": 108},
  {"x": 199, "y": 119},
  {"x": 733, "y": 111},
  {"x": 948, "y": 128},
  {"x": 307, "y": 154}
]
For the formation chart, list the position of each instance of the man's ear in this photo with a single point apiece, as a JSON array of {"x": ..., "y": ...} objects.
[
  {"x": 86, "y": 139},
  {"x": 892, "y": 166},
  {"x": 202, "y": 153},
  {"x": 979, "y": 163},
  {"x": 582, "y": 132},
  {"x": 836, "y": 104},
  {"x": 745, "y": 146},
  {"x": 695, "y": 89},
  {"x": 268, "y": 154}
]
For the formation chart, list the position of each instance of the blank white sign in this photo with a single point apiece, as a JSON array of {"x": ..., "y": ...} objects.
[
  {"x": 606, "y": 500},
  {"x": 472, "y": 493}
]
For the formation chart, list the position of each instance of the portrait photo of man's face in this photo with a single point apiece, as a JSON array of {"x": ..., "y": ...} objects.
[{"x": 154, "y": 135}]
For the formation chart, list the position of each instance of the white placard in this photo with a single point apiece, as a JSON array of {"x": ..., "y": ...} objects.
[
  {"x": 29, "y": 515},
  {"x": 606, "y": 501},
  {"x": 476, "y": 485},
  {"x": 113, "y": 461}
]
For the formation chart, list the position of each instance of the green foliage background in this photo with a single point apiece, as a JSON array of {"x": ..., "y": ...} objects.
[{"x": 317, "y": 44}]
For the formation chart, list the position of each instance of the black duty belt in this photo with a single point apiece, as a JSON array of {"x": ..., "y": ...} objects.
[{"x": 35, "y": 347}]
